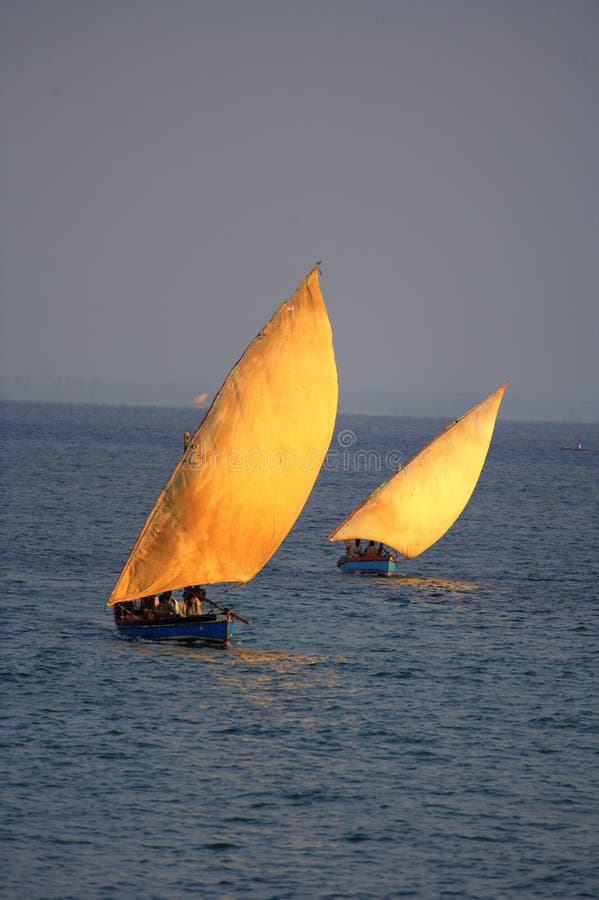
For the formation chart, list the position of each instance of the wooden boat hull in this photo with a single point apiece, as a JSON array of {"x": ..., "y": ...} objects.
[
  {"x": 365, "y": 566},
  {"x": 211, "y": 629}
]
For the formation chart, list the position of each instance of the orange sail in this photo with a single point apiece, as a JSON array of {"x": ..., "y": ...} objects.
[
  {"x": 423, "y": 499},
  {"x": 249, "y": 468}
]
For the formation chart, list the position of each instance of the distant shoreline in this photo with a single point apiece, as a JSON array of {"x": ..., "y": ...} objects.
[{"x": 454, "y": 410}]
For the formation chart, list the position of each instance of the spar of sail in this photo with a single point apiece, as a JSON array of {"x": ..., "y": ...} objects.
[
  {"x": 247, "y": 471},
  {"x": 422, "y": 500}
]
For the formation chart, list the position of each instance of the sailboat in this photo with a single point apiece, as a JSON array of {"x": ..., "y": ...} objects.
[
  {"x": 423, "y": 498},
  {"x": 243, "y": 478}
]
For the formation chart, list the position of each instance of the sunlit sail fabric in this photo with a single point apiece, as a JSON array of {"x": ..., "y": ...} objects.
[
  {"x": 252, "y": 463},
  {"x": 422, "y": 500}
]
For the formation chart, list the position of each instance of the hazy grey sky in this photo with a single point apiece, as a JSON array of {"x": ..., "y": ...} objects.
[{"x": 171, "y": 170}]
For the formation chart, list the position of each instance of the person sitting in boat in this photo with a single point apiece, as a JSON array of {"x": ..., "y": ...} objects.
[
  {"x": 166, "y": 604},
  {"x": 371, "y": 550},
  {"x": 197, "y": 603},
  {"x": 148, "y": 606},
  {"x": 196, "y": 607},
  {"x": 187, "y": 598},
  {"x": 353, "y": 548},
  {"x": 193, "y": 596}
]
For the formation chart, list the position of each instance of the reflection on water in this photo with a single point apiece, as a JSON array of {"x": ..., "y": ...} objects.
[
  {"x": 219, "y": 655},
  {"x": 453, "y": 586},
  {"x": 430, "y": 585},
  {"x": 458, "y": 584},
  {"x": 268, "y": 656}
]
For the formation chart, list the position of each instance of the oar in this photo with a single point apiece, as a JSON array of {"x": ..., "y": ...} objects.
[{"x": 226, "y": 609}]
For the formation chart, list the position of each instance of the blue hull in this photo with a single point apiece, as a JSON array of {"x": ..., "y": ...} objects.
[
  {"x": 363, "y": 566},
  {"x": 214, "y": 630}
]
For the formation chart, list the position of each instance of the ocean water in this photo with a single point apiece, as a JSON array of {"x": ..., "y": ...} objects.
[{"x": 434, "y": 734}]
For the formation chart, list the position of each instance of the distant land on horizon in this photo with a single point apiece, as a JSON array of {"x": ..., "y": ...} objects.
[{"x": 359, "y": 401}]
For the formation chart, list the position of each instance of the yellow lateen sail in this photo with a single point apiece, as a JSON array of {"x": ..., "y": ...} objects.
[
  {"x": 423, "y": 499},
  {"x": 250, "y": 466}
]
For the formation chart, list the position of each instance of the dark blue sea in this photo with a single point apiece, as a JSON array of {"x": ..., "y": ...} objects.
[{"x": 430, "y": 735}]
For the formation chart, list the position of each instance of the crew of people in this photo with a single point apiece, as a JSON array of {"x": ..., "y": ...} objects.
[
  {"x": 161, "y": 606},
  {"x": 370, "y": 550}
]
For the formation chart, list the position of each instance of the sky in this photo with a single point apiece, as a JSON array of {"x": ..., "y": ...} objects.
[{"x": 170, "y": 171}]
